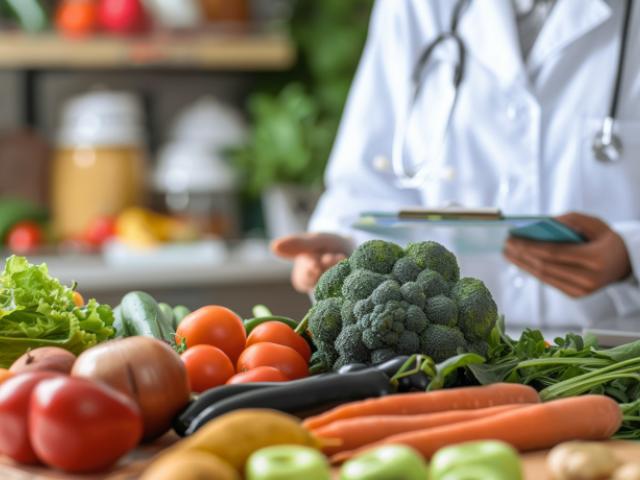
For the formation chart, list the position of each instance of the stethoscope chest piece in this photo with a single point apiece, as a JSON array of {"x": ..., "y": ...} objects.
[{"x": 607, "y": 146}]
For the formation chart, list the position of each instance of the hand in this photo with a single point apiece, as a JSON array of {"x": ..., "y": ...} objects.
[
  {"x": 312, "y": 254},
  {"x": 577, "y": 270}
]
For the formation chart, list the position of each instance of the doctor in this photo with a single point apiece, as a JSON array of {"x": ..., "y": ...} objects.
[{"x": 507, "y": 111}]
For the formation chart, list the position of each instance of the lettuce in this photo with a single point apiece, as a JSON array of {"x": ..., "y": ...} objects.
[{"x": 36, "y": 310}]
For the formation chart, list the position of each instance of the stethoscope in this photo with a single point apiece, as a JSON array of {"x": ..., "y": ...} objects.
[{"x": 606, "y": 144}]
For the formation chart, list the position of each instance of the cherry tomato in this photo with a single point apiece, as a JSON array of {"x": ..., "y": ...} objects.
[
  {"x": 278, "y": 332},
  {"x": 15, "y": 394},
  {"x": 259, "y": 374},
  {"x": 78, "y": 300},
  {"x": 24, "y": 237},
  {"x": 79, "y": 425},
  {"x": 77, "y": 18},
  {"x": 207, "y": 367},
  {"x": 284, "y": 358},
  {"x": 100, "y": 230},
  {"x": 5, "y": 375},
  {"x": 214, "y": 325}
]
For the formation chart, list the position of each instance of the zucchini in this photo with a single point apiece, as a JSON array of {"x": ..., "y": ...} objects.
[
  {"x": 142, "y": 316},
  {"x": 167, "y": 313},
  {"x": 118, "y": 324},
  {"x": 179, "y": 312}
]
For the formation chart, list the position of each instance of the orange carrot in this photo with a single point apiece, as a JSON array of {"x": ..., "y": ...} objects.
[
  {"x": 356, "y": 432},
  {"x": 532, "y": 427},
  {"x": 465, "y": 398}
]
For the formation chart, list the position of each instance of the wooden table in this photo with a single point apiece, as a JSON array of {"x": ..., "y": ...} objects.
[{"x": 133, "y": 464}]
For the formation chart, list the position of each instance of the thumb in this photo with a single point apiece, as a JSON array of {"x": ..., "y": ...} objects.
[{"x": 310, "y": 244}]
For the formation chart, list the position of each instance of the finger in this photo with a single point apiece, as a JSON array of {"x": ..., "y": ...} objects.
[
  {"x": 305, "y": 273},
  {"x": 587, "y": 225},
  {"x": 568, "y": 288},
  {"x": 328, "y": 260},
  {"x": 308, "y": 243},
  {"x": 581, "y": 256}
]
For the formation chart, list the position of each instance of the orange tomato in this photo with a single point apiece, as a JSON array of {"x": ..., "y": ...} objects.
[
  {"x": 7, "y": 374},
  {"x": 278, "y": 332},
  {"x": 284, "y": 358},
  {"x": 77, "y": 18},
  {"x": 259, "y": 374},
  {"x": 214, "y": 325},
  {"x": 207, "y": 367},
  {"x": 78, "y": 301}
]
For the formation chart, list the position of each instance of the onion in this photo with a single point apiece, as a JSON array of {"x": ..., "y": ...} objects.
[
  {"x": 54, "y": 359},
  {"x": 147, "y": 370}
]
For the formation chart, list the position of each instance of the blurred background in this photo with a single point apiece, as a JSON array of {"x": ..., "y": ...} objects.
[{"x": 159, "y": 144}]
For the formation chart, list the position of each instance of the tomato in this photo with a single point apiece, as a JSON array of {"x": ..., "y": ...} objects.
[
  {"x": 122, "y": 16},
  {"x": 100, "y": 230},
  {"x": 79, "y": 425},
  {"x": 259, "y": 374},
  {"x": 77, "y": 18},
  {"x": 78, "y": 300},
  {"x": 24, "y": 237},
  {"x": 214, "y": 325},
  {"x": 278, "y": 332},
  {"x": 5, "y": 375},
  {"x": 15, "y": 394},
  {"x": 284, "y": 358},
  {"x": 207, "y": 367}
]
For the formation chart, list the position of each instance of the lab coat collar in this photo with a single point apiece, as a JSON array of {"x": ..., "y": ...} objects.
[
  {"x": 569, "y": 20},
  {"x": 489, "y": 31}
]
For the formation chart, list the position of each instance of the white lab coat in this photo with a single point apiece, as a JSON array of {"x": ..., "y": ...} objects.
[{"x": 520, "y": 136}]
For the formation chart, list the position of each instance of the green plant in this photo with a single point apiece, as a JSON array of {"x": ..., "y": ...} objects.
[{"x": 294, "y": 121}]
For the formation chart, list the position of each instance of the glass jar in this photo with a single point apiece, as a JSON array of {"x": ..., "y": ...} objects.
[{"x": 99, "y": 162}]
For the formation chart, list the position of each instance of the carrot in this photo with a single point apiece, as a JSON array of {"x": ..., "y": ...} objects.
[
  {"x": 465, "y": 398},
  {"x": 356, "y": 432},
  {"x": 532, "y": 427}
]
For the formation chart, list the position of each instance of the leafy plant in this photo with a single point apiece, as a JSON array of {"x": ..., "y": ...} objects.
[{"x": 295, "y": 122}]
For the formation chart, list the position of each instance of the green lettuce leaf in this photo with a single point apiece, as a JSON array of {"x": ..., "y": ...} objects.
[{"x": 36, "y": 310}]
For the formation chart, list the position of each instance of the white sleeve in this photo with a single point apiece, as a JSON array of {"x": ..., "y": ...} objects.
[
  {"x": 366, "y": 132},
  {"x": 626, "y": 294}
]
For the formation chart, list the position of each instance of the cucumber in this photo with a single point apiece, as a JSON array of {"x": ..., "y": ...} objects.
[
  {"x": 118, "y": 323},
  {"x": 167, "y": 313},
  {"x": 142, "y": 316},
  {"x": 179, "y": 312}
]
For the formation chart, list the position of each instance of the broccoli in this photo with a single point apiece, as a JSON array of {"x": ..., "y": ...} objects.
[
  {"x": 442, "y": 310},
  {"x": 413, "y": 293},
  {"x": 441, "y": 342},
  {"x": 325, "y": 320},
  {"x": 376, "y": 255},
  {"x": 349, "y": 345},
  {"x": 385, "y": 292},
  {"x": 433, "y": 283},
  {"x": 330, "y": 282},
  {"x": 323, "y": 360},
  {"x": 348, "y": 316},
  {"x": 362, "y": 307},
  {"x": 382, "y": 355},
  {"x": 405, "y": 270},
  {"x": 480, "y": 347},
  {"x": 408, "y": 343},
  {"x": 477, "y": 312},
  {"x": 360, "y": 283},
  {"x": 434, "y": 256},
  {"x": 416, "y": 319}
]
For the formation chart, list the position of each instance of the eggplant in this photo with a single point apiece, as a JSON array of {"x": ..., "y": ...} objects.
[{"x": 302, "y": 395}]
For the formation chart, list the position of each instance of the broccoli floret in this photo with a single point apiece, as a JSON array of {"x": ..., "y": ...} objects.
[
  {"x": 408, "y": 343},
  {"x": 349, "y": 345},
  {"x": 348, "y": 316},
  {"x": 340, "y": 362},
  {"x": 376, "y": 255},
  {"x": 477, "y": 312},
  {"x": 330, "y": 282},
  {"x": 478, "y": 346},
  {"x": 442, "y": 310},
  {"x": 382, "y": 325},
  {"x": 382, "y": 355},
  {"x": 441, "y": 342},
  {"x": 323, "y": 358},
  {"x": 413, "y": 293},
  {"x": 405, "y": 270},
  {"x": 433, "y": 283},
  {"x": 416, "y": 319},
  {"x": 325, "y": 320},
  {"x": 385, "y": 292},
  {"x": 360, "y": 283},
  {"x": 436, "y": 257},
  {"x": 362, "y": 307}
]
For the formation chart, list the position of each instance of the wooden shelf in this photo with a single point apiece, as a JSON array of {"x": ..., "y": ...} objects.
[{"x": 202, "y": 50}]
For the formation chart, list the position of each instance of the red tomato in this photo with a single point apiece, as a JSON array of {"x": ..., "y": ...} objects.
[
  {"x": 278, "y": 332},
  {"x": 100, "y": 230},
  {"x": 24, "y": 237},
  {"x": 214, "y": 325},
  {"x": 259, "y": 374},
  {"x": 207, "y": 367},
  {"x": 79, "y": 425},
  {"x": 285, "y": 359},
  {"x": 77, "y": 18},
  {"x": 122, "y": 16},
  {"x": 15, "y": 394}
]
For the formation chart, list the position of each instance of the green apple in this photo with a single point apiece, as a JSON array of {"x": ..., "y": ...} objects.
[
  {"x": 390, "y": 462},
  {"x": 483, "y": 460},
  {"x": 287, "y": 462}
]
